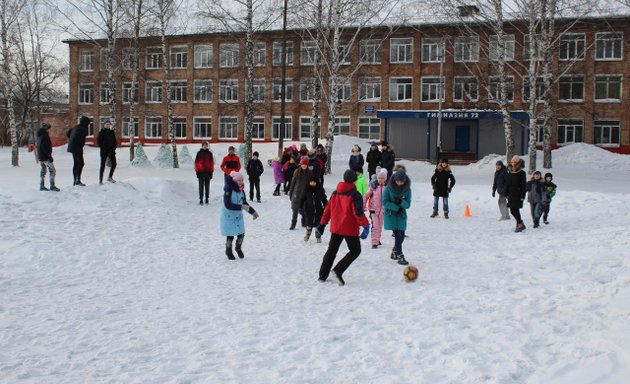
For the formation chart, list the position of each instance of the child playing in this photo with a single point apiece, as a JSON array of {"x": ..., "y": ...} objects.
[
  {"x": 314, "y": 204},
  {"x": 441, "y": 187},
  {"x": 535, "y": 196},
  {"x": 297, "y": 188},
  {"x": 232, "y": 223},
  {"x": 361, "y": 184},
  {"x": 396, "y": 202},
  {"x": 550, "y": 190},
  {"x": 254, "y": 170},
  {"x": 278, "y": 175},
  {"x": 373, "y": 201}
]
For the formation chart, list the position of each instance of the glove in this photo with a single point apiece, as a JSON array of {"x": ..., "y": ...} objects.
[
  {"x": 365, "y": 233},
  {"x": 449, "y": 190},
  {"x": 255, "y": 215},
  {"x": 320, "y": 229},
  {"x": 493, "y": 194},
  {"x": 245, "y": 207}
]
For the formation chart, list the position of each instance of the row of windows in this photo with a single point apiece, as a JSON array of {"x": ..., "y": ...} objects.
[
  {"x": 367, "y": 127},
  {"x": 569, "y": 131},
  {"x": 465, "y": 89},
  {"x": 608, "y": 46}
]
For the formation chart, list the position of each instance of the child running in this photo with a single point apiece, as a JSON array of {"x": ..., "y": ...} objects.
[{"x": 373, "y": 200}]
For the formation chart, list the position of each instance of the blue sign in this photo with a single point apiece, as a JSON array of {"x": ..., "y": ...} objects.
[{"x": 370, "y": 109}]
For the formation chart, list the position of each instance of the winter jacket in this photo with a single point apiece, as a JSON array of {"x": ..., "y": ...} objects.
[
  {"x": 361, "y": 184},
  {"x": 500, "y": 181},
  {"x": 516, "y": 185},
  {"x": 313, "y": 165},
  {"x": 278, "y": 175},
  {"x": 297, "y": 189},
  {"x": 230, "y": 163},
  {"x": 535, "y": 192},
  {"x": 440, "y": 181},
  {"x": 345, "y": 211},
  {"x": 315, "y": 202},
  {"x": 322, "y": 159},
  {"x": 43, "y": 145},
  {"x": 106, "y": 140},
  {"x": 396, "y": 201},
  {"x": 254, "y": 169},
  {"x": 76, "y": 136},
  {"x": 204, "y": 163},
  {"x": 373, "y": 198},
  {"x": 231, "y": 221},
  {"x": 289, "y": 169},
  {"x": 356, "y": 162},
  {"x": 388, "y": 158},
  {"x": 373, "y": 158},
  {"x": 550, "y": 189}
]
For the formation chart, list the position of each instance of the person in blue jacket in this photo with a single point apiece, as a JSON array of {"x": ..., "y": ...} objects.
[
  {"x": 232, "y": 222},
  {"x": 396, "y": 202}
]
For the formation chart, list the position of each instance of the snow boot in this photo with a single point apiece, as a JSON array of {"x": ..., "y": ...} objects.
[
  {"x": 207, "y": 201},
  {"x": 43, "y": 188},
  {"x": 228, "y": 250},
  {"x": 402, "y": 260},
  {"x": 519, "y": 228},
  {"x": 446, "y": 215},
  {"x": 111, "y": 180},
  {"x": 393, "y": 255},
  {"x": 337, "y": 275},
  {"x": 434, "y": 214},
  {"x": 54, "y": 188},
  {"x": 307, "y": 236},
  {"x": 318, "y": 238},
  {"x": 239, "y": 243},
  {"x": 292, "y": 227}
]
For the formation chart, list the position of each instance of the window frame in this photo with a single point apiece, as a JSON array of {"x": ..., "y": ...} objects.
[
  {"x": 305, "y": 121},
  {"x": 617, "y": 40},
  {"x": 564, "y": 124},
  {"x": 439, "y": 89},
  {"x": 178, "y": 57},
  {"x": 371, "y": 123},
  {"x": 611, "y": 126},
  {"x": 308, "y": 52},
  {"x": 398, "y": 45},
  {"x": 466, "y": 49},
  {"x": 276, "y": 50},
  {"x": 257, "y": 129},
  {"x": 104, "y": 94},
  {"x": 339, "y": 123},
  {"x": 493, "y": 47},
  {"x": 85, "y": 60},
  {"x": 202, "y": 91},
  {"x": 153, "y": 59},
  {"x": 370, "y": 52},
  {"x": 228, "y": 87},
  {"x": 198, "y": 122},
  {"x": 180, "y": 122},
  {"x": 608, "y": 83},
  {"x": 204, "y": 56},
  {"x": 229, "y": 55},
  {"x": 407, "y": 88},
  {"x": 563, "y": 81},
  {"x": 276, "y": 86},
  {"x": 127, "y": 91},
  {"x": 178, "y": 91},
  {"x": 151, "y": 123},
  {"x": 429, "y": 45},
  {"x": 275, "y": 126},
  {"x": 460, "y": 82},
  {"x": 126, "y": 121},
  {"x": 493, "y": 94},
  {"x": 369, "y": 85},
  {"x": 87, "y": 91},
  {"x": 150, "y": 90},
  {"x": 233, "y": 127},
  {"x": 569, "y": 46}
]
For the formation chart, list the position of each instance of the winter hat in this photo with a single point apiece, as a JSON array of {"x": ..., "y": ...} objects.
[
  {"x": 349, "y": 176},
  {"x": 84, "y": 121},
  {"x": 373, "y": 144},
  {"x": 321, "y": 147},
  {"x": 515, "y": 158},
  {"x": 548, "y": 175},
  {"x": 293, "y": 146},
  {"x": 107, "y": 121},
  {"x": 255, "y": 154},
  {"x": 400, "y": 176},
  {"x": 236, "y": 176},
  {"x": 500, "y": 163},
  {"x": 304, "y": 160},
  {"x": 382, "y": 174},
  {"x": 356, "y": 148},
  {"x": 46, "y": 126},
  {"x": 537, "y": 173},
  {"x": 444, "y": 160}
]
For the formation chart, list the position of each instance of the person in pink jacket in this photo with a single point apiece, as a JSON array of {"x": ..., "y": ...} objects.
[
  {"x": 373, "y": 201},
  {"x": 278, "y": 175}
]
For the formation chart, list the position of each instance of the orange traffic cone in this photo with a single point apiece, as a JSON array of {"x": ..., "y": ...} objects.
[{"x": 467, "y": 211}]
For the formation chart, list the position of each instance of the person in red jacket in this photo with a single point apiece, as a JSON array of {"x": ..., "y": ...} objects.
[
  {"x": 231, "y": 162},
  {"x": 345, "y": 212},
  {"x": 204, "y": 166}
]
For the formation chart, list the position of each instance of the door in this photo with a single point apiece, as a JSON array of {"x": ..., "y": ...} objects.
[{"x": 462, "y": 138}]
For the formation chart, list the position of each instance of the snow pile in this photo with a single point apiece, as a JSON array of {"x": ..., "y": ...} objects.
[
  {"x": 184, "y": 157},
  {"x": 582, "y": 154},
  {"x": 164, "y": 157},
  {"x": 140, "y": 158}
]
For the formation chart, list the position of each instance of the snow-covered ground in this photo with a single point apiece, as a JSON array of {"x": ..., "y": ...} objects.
[{"x": 128, "y": 283}]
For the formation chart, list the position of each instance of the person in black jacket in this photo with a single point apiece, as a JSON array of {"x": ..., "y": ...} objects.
[
  {"x": 106, "y": 140},
  {"x": 44, "y": 156},
  {"x": 254, "y": 170},
  {"x": 373, "y": 159},
  {"x": 517, "y": 181},
  {"x": 388, "y": 158},
  {"x": 500, "y": 185},
  {"x": 441, "y": 186},
  {"x": 314, "y": 205},
  {"x": 76, "y": 142}
]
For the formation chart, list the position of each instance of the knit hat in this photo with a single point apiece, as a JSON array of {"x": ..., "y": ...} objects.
[
  {"x": 236, "y": 176},
  {"x": 515, "y": 158},
  {"x": 400, "y": 176},
  {"x": 321, "y": 147},
  {"x": 294, "y": 146},
  {"x": 382, "y": 174},
  {"x": 500, "y": 163},
  {"x": 304, "y": 160},
  {"x": 548, "y": 175},
  {"x": 46, "y": 126},
  {"x": 349, "y": 176},
  {"x": 444, "y": 160},
  {"x": 255, "y": 154}
]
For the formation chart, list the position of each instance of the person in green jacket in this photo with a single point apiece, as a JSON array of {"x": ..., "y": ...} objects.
[
  {"x": 361, "y": 184},
  {"x": 396, "y": 201}
]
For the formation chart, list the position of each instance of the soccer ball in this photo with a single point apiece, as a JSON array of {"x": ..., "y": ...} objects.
[{"x": 410, "y": 273}]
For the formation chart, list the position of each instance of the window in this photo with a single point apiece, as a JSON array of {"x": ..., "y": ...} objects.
[
  {"x": 179, "y": 57},
  {"x": 537, "y": 46},
  {"x": 344, "y": 90},
  {"x": 494, "y": 89},
  {"x": 308, "y": 50},
  {"x": 129, "y": 59},
  {"x": 259, "y": 53},
  {"x": 228, "y": 127},
  {"x": 203, "y": 56},
  {"x": 495, "y": 48},
  {"x": 465, "y": 89},
  {"x": 228, "y": 55},
  {"x": 305, "y": 127},
  {"x": 180, "y": 127},
  {"x": 86, "y": 93},
  {"x": 571, "y": 88},
  {"x": 178, "y": 91},
  {"x": 86, "y": 60},
  {"x": 105, "y": 94},
  {"x": 606, "y": 133},
  {"x": 203, "y": 91},
  {"x": 608, "y": 88},
  {"x": 153, "y": 92},
  {"x": 608, "y": 46},
  {"x": 153, "y": 127},
  {"x": 432, "y": 50},
  {"x": 258, "y": 128},
  {"x": 344, "y": 54},
  {"x": 540, "y": 131},
  {"x": 430, "y": 89},
  {"x": 401, "y": 50},
  {"x": 287, "y": 132},
  {"x": 466, "y": 49},
  {"x": 103, "y": 59},
  {"x": 202, "y": 127},
  {"x": 369, "y": 88},
  {"x": 277, "y": 53},
  {"x": 228, "y": 90},
  {"x": 570, "y": 131},
  {"x": 276, "y": 87},
  {"x": 129, "y": 123},
  {"x": 370, "y": 52},
  {"x": 307, "y": 89},
  {"x": 369, "y": 128},
  {"x": 540, "y": 89},
  {"x": 572, "y": 46},
  {"x": 400, "y": 89},
  {"x": 342, "y": 125},
  {"x": 153, "y": 58},
  {"x": 129, "y": 93},
  {"x": 258, "y": 88}
]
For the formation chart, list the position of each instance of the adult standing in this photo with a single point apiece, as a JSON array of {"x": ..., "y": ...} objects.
[
  {"x": 517, "y": 180},
  {"x": 442, "y": 182},
  {"x": 231, "y": 162},
  {"x": 204, "y": 167},
  {"x": 388, "y": 157},
  {"x": 254, "y": 170},
  {"x": 106, "y": 140},
  {"x": 44, "y": 155},
  {"x": 356, "y": 160},
  {"x": 500, "y": 186},
  {"x": 396, "y": 202},
  {"x": 373, "y": 159},
  {"x": 76, "y": 142}
]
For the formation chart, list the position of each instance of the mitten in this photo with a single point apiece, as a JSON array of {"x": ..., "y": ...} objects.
[
  {"x": 365, "y": 233},
  {"x": 449, "y": 190},
  {"x": 493, "y": 194},
  {"x": 320, "y": 229},
  {"x": 255, "y": 215}
]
